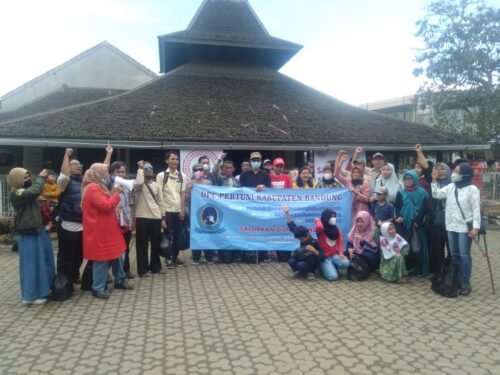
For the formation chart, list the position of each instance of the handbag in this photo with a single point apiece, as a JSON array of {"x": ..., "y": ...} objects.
[
  {"x": 482, "y": 228},
  {"x": 439, "y": 219},
  {"x": 183, "y": 241},
  {"x": 445, "y": 282},
  {"x": 358, "y": 270},
  {"x": 164, "y": 245}
]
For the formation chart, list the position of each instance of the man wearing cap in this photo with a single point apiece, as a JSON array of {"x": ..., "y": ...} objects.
[
  {"x": 377, "y": 163},
  {"x": 268, "y": 166},
  {"x": 279, "y": 180},
  {"x": 256, "y": 178},
  {"x": 382, "y": 210}
]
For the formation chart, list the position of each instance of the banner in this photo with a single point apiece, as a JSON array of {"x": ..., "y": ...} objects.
[
  {"x": 243, "y": 219},
  {"x": 190, "y": 157}
]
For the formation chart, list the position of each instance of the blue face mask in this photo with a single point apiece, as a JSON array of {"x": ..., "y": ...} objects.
[{"x": 255, "y": 164}]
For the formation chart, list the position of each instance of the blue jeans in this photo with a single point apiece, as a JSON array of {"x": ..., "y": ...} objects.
[
  {"x": 329, "y": 267},
  {"x": 100, "y": 272},
  {"x": 460, "y": 244},
  {"x": 301, "y": 266}
]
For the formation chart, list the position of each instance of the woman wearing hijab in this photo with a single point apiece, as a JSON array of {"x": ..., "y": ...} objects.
[
  {"x": 36, "y": 262},
  {"x": 103, "y": 242},
  {"x": 360, "y": 240},
  {"x": 389, "y": 180},
  {"x": 411, "y": 211},
  {"x": 394, "y": 249},
  {"x": 359, "y": 188},
  {"x": 438, "y": 238},
  {"x": 330, "y": 240},
  {"x": 463, "y": 219}
]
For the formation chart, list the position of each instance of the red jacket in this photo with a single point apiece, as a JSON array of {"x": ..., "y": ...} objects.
[
  {"x": 102, "y": 238},
  {"x": 328, "y": 250}
]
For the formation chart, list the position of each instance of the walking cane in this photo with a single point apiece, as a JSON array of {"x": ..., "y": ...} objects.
[{"x": 486, "y": 255}]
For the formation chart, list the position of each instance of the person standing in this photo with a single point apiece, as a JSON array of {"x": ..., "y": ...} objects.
[
  {"x": 463, "y": 219},
  {"x": 258, "y": 179},
  {"x": 199, "y": 179},
  {"x": 103, "y": 242},
  {"x": 173, "y": 185},
  {"x": 119, "y": 169},
  {"x": 149, "y": 219},
  {"x": 36, "y": 262},
  {"x": 279, "y": 180},
  {"x": 70, "y": 254}
]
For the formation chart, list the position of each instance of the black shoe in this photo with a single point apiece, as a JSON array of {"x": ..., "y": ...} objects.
[
  {"x": 129, "y": 275},
  {"x": 144, "y": 275},
  {"x": 465, "y": 290},
  {"x": 100, "y": 295},
  {"x": 124, "y": 285},
  {"x": 169, "y": 264},
  {"x": 178, "y": 263}
]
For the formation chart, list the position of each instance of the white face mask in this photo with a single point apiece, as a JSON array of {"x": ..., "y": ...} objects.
[
  {"x": 332, "y": 221},
  {"x": 206, "y": 167},
  {"x": 455, "y": 177},
  {"x": 327, "y": 176}
]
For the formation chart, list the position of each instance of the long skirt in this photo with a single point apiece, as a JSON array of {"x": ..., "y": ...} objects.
[
  {"x": 395, "y": 268},
  {"x": 36, "y": 265}
]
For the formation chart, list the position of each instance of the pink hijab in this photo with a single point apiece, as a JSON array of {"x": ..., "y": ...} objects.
[
  {"x": 96, "y": 174},
  {"x": 366, "y": 235}
]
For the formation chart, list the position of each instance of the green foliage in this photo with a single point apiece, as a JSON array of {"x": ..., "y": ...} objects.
[{"x": 461, "y": 60}]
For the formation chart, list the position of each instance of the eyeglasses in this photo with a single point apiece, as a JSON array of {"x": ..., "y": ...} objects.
[{"x": 198, "y": 170}]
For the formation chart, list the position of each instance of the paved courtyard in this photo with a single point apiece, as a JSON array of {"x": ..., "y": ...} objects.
[{"x": 254, "y": 319}]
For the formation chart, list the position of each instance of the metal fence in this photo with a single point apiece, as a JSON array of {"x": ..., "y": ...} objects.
[
  {"x": 489, "y": 185},
  {"x": 6, "y": 209}
]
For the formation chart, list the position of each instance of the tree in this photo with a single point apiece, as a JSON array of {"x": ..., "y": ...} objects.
[{"x": 461, "y": 61}]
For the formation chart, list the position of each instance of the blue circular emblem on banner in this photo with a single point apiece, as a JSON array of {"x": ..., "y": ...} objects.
[{"x": 209, "y": 217}]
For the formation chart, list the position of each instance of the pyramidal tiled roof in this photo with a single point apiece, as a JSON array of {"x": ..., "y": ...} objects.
[{"x": 230, "y": 23}]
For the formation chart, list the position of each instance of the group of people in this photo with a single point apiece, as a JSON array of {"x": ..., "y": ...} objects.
[{"x": 395, "y": 228}]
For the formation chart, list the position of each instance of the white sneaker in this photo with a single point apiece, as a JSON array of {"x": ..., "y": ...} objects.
[
  {"x": 38, "y": 301},
  {"x": 195, "y": 263}
]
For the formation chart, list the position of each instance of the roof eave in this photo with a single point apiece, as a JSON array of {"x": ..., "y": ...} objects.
[{"x": 117, "y": 143}]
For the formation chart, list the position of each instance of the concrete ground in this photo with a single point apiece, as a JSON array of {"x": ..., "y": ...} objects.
[{"x": 254, "y": 319}]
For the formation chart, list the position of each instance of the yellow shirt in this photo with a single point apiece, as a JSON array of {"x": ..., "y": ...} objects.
[
  {"x": 306, "y": 186},
  {"x": 172, "y": 190}
]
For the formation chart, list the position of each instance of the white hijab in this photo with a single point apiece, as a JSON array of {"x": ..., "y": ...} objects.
[
  {"x": 391, "y": 183},
  {"x": 390, "y": 246}
]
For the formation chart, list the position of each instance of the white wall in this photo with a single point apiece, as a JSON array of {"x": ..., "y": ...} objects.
[{"x": 102, "y": 68}]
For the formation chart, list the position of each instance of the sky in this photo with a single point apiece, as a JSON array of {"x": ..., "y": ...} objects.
[{"x": 358, "y": 51}]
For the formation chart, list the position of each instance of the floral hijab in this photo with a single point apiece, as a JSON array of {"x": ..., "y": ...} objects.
[{"x": 97, "y": 174}]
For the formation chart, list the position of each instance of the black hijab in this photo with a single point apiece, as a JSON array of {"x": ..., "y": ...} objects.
[{"x": 331, "y": 231}]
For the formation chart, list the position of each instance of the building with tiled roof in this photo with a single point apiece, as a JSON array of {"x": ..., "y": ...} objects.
[{"x": 221, "y": 89}]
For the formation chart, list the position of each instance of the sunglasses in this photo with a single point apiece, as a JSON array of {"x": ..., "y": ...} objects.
[{"x": 198, "y": 170}]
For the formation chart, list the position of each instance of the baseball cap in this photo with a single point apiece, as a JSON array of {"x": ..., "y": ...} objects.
[
  {"x": 267, "y": 161},
  {"x": 279, "y": 161},
  {"x": 382, "y": 190},
  {"x": 378, "y": 155},
  {"x": 255, "y": 155}
]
